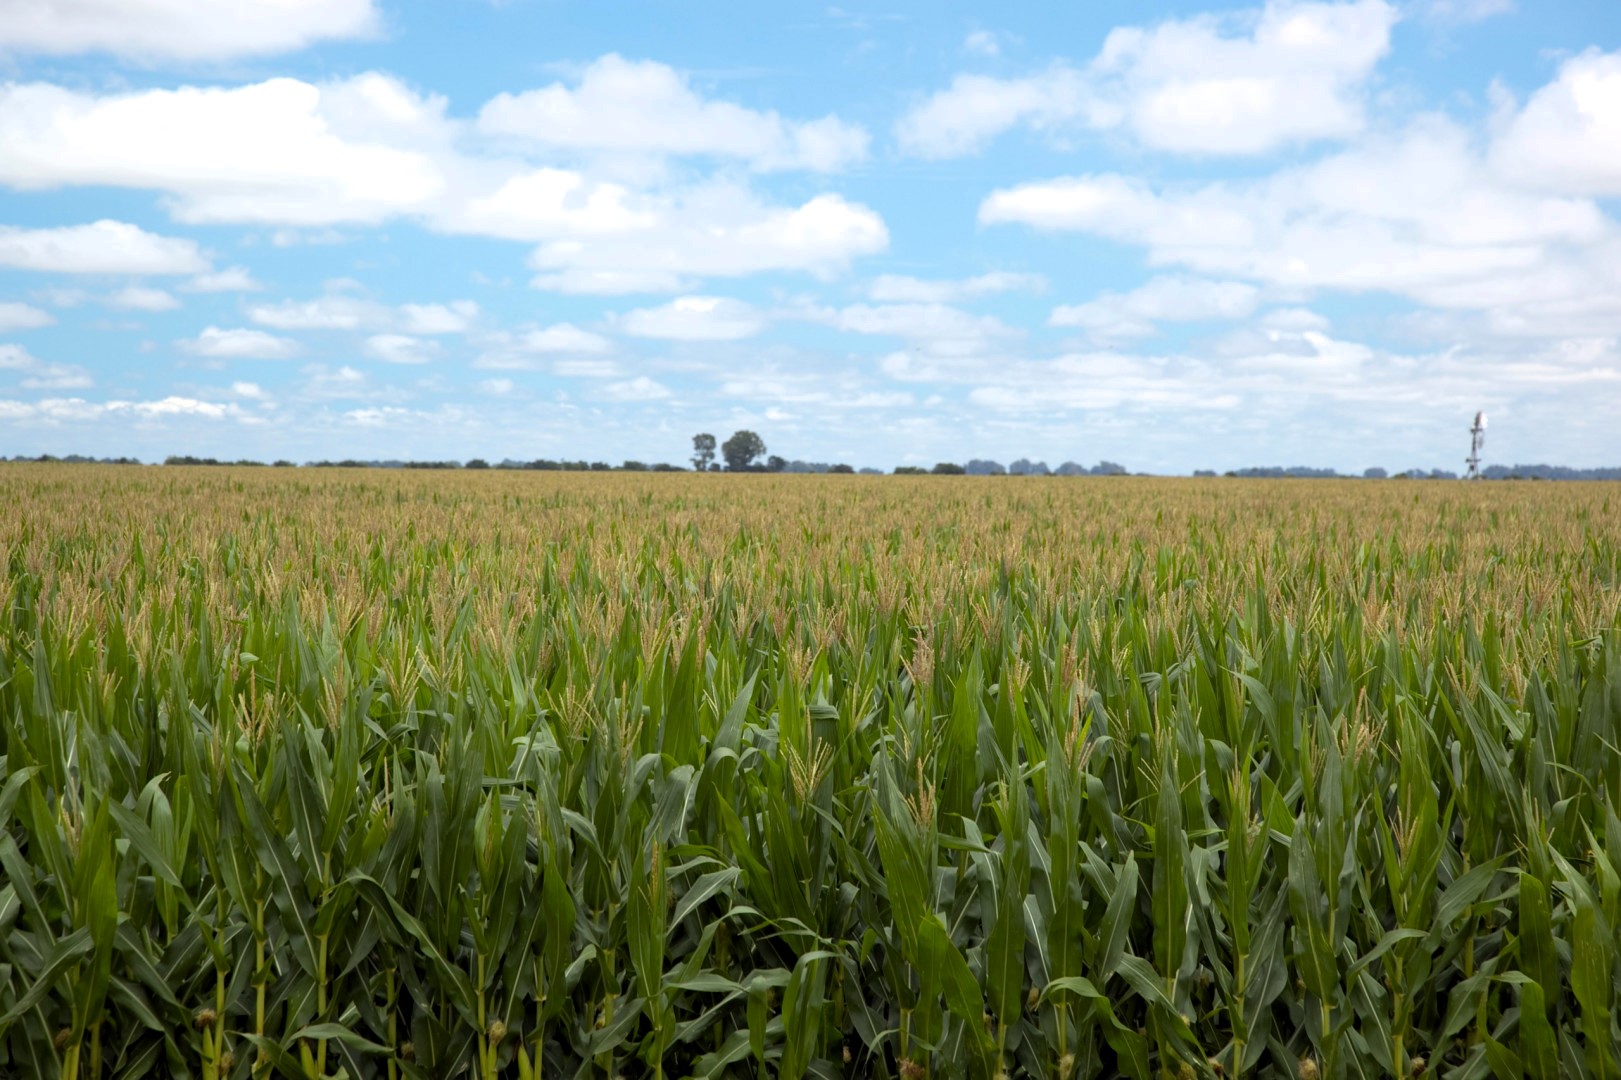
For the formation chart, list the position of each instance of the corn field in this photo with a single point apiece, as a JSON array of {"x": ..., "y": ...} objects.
[{"x": 388, "y": 775}]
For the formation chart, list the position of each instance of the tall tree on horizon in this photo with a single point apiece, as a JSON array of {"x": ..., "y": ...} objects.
[
  {"x": 741, "y": 450},
  {"x": 703, "y": 451}
]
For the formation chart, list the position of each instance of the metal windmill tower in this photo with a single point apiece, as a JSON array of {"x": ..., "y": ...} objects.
[{"x": 1477, "y": 439}]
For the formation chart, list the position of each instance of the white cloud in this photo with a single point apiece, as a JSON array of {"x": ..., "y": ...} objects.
[
  {"x": 342, "y": 308},
  {"x": 58, "y": 377},
  {"x": 142, "y": 298},
  {"x": 1418, "y": 214},
  {"x": 15, "y": 359},
  {"x": 18, "y": 316},
  {"x": 36, "y": 374},
  {"x": 898, "y": 288},
  {"x": 240, "y": 344},
  {"x": 695, "y": 318},
  {"x": 281, "y": 151},
  {"x": 233, "y": 279},
  {"x": 1568, "y": 136},
  {"x": 1243, "y": 84},
  {"x": 718, "y": 231},
  {"x": 167, "y": 30},
  {"x": 251, "y": 391},
  {"x": 344, "y": 382},
  {"x": 57, "y": 410},
  {"x": 509, "y": 351},
  {"x": 642, "y": 107},
  {"x": 1092, "y": 382},
  {"x": 333, "y": 311},
  {"x": 174, "y": 406},
  {"x": 369, "y": 149},
  {"x": 640, "y": 388},
  {"x": 1293, "y": 319},
  {"x": 62, "y": 298},
  {"x": 400, "y": 349},
  {"x": 982, "y": 43},
  {"x": 542, "y": 203},
  {"x": 1121, "y": 316},
  {"x": 585, "y": 369},
  {"x": 455, "y": 317},
  {"x": 938, "y": 329},
  {"x": 801, "y": 385},
  {"x": 102, "y": 247},
  {"x": 1256, "y": 383},
  {"x": 497, "y": 387},
  {"x": 78, "y": 410},
  {"x": 378, "y": 416},
  {"x": 582, "y": 282},
  {"x": 563, "y": 338},
  {"x": 1187, "y": 86},
  {"x": 974, "y": 109}
]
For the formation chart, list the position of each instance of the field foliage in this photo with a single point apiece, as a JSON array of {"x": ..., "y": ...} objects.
[{"x": 426, "y": 775}]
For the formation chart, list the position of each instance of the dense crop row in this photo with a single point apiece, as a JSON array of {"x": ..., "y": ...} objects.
[{"x": 384, "y": 775}]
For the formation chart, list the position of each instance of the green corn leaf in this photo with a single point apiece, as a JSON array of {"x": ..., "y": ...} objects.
[{"x": 58, "y": 960}]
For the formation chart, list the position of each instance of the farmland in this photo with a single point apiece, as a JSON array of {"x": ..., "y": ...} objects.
[{"x": 377, "y": 774}]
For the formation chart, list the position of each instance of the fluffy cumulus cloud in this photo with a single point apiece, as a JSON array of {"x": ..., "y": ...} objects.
[
  {"x": 719, "y": 231},
  {"x": 400, "y": 349},
  {"x": 563, "y": 338},
  {"x": 31, "y": 373},
  {"x": 535, "y": 204},
  {"x": 640, "y": 388},
  {"x": 142, "y": 298},
  {"x": 240, "y": 344},
  {"x": 345, "y": 307},
  {"x": 101, "y": 247},
  {"x": 1296, "y": 76},
  {"x": 1122, "y": 316},
  {"x": 982, "y": 43},
  {"x": 938, "y": 329},
  {"x": 19, "y": 316},
  {"x": 173, "y": 406},
  {"x": 893, "y": 288},
  {"x": 75, "y": 410},
  {"x": 333, "y": 311},
  {"x": 171, "y": 30},
  {"x": 974, "y": 109},
  {"x": 368, "y": 149},
  {"x": 456, "y": 317},
  {"x": 1419, "y": 213},
  {"x": 1295, "y": 71},
  {"x": 1568, "y": 135},
  {"x": 281, "y": 151},
  {"x": 695, "y": 318},
  {"x": 561, "y": 343},
  {"x": 640, "y": 108},
  {"x": 231, "y": 279}
]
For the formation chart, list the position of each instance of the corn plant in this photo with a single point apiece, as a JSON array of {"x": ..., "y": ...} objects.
[{"x": 372, "y": 775}]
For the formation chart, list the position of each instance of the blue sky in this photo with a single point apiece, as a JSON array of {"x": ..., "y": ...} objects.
[{"x": 1176, "y": 235}]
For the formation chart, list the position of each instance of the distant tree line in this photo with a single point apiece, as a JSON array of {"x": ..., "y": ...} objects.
[
  {"x": 75, "y": 459},
  {"x": 1490, "y": 472},
  {"x": 187, "y": 459},
  {"x": 1306, "y": 472},
  {"x": 1548, "y": 472},
  {"x": 1026, "y": 467},
  {"x": 745, "y": 451}
]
